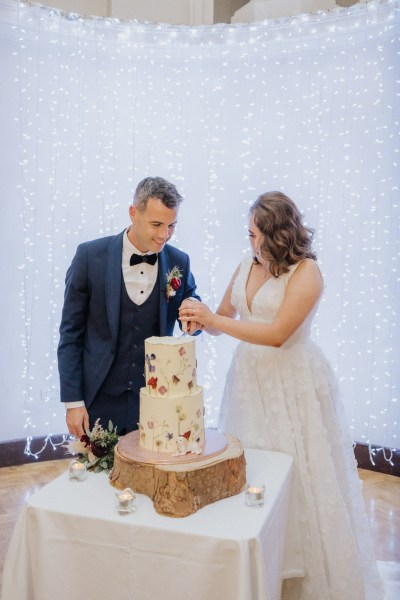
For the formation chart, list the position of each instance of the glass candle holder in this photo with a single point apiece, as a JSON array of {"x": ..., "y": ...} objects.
[
  {"x": 254, "y": 495},
  {"x": 125, "y": 501},
  {"x": 77, "y": 470}
]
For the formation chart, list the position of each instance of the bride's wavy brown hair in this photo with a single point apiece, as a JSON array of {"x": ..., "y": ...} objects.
[{"x": 286, "y": 239}]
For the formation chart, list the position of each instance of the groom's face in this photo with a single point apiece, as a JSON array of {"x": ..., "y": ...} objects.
[{"x": 152, "y": 226}]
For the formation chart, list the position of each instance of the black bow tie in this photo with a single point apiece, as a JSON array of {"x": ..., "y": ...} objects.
[{"x": 136, "y": 259}]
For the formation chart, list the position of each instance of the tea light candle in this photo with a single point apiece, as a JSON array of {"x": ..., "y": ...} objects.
[
  {"x": 77, "y": 470},
  {"x": 254, "y": 495},
  {"x": 125, "y": 501}
]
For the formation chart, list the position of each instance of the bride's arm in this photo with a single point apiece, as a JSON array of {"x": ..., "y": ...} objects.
[{"x": 302, "y": 293}]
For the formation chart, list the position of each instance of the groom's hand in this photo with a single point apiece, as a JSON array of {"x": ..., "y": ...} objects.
[
  {"x": 77, "y": 421},
  {"x": 193, "y": 326}
]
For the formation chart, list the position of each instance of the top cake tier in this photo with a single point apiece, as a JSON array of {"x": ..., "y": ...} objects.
[{"x": 170, "y": 366}]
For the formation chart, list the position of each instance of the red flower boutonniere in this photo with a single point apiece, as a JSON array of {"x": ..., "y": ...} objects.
[{"x": 173, "y": 282}]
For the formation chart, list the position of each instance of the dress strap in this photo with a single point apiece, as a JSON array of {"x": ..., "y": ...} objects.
[{"x": 292, "y": 268}]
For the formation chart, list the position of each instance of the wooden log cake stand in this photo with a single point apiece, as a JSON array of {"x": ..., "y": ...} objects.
[{"x": 179, "y": 486}]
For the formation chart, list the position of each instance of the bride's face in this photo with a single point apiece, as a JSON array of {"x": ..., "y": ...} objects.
[{"x": 256, "y": 238}]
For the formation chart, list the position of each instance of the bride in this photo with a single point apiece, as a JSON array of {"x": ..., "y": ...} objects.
[{"x": 280, "y": 394}]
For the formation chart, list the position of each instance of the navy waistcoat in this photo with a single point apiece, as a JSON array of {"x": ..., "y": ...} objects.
[{"x": 136, "y": 323}]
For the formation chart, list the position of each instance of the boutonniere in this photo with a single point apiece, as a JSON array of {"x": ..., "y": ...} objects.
[{"x": 173, "y": 282}]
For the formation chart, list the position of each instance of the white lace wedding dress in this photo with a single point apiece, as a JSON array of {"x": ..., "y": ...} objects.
[{"x": 286, "y": 399}]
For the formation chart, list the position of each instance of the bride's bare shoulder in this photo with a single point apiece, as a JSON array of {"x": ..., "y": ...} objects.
[
  {"x": 307, "y": 273},
  {"x": 308, "y": 265}
]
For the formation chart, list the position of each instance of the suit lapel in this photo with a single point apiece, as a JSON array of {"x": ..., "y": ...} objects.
[{"x": 113, "y": 283}]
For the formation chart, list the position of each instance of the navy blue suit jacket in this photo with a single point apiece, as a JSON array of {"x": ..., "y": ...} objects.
[{"x": 90, "y": 316}]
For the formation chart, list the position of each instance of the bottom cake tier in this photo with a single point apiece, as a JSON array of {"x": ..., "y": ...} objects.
[{"x": 163, "y": 421}]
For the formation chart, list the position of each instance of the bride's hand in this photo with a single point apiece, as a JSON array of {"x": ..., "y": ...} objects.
[
  {"x": 189, "y": 327},
  {"x": 197, "y": 312}
]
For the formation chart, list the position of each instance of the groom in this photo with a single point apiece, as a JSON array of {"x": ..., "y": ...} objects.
[{"x": 119, "y": 291}]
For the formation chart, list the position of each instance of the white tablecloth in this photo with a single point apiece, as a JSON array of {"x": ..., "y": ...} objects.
[{"x": 70, "y": 542}]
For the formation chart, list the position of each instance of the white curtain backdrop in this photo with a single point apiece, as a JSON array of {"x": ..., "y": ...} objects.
[{"x": 308, "y": 105}]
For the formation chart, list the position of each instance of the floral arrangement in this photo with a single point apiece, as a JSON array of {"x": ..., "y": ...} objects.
[
  {"x": 96, "y": 447},
  {"x": 174, "y": 277}
]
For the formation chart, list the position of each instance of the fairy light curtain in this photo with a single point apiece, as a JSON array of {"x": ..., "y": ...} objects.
[{"x": 308, "y": 105}]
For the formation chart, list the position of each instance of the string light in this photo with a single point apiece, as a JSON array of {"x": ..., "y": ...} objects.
[{"x": 303, "y": 104}]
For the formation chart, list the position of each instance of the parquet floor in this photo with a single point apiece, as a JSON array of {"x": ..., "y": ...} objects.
[{"x": 381, "y": 494}]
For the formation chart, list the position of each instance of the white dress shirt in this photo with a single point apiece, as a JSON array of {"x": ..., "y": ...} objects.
[
  {"x": 139, "y": 282},
  {"x": 139, "y": 279}
]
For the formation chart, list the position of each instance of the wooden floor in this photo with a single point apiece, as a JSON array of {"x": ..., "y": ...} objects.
[
  {"x": 381, "y": 494},
  {"x": 382, "y": 501}
]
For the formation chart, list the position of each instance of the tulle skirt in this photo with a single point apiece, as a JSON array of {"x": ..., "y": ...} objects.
[{"x": 286, "y": 399}]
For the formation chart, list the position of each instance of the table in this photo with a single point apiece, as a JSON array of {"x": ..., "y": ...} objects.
[{"x": 70, "y": 541}]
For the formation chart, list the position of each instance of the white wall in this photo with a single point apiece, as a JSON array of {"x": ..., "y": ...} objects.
[
  {"x": 100, "y": 8},
  {"x": 179, "y": 12},
  {"x": 193, "y": 12},
  {"x": 258, "y": 10}
]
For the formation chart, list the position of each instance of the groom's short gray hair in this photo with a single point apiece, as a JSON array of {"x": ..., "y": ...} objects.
[{"x": 156, "y": 187}]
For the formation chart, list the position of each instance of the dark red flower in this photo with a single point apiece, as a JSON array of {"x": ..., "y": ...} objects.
[
  {"x": 85, "y": 440},
  {"x": 98, "y": 451},
  {"x": 175, "y": 283}
]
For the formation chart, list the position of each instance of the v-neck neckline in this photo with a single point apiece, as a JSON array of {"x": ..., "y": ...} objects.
[{"x": 250, "y": 308}]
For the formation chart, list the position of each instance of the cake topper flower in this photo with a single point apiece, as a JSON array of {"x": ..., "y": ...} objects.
[{"x": 174, "y": 277}]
